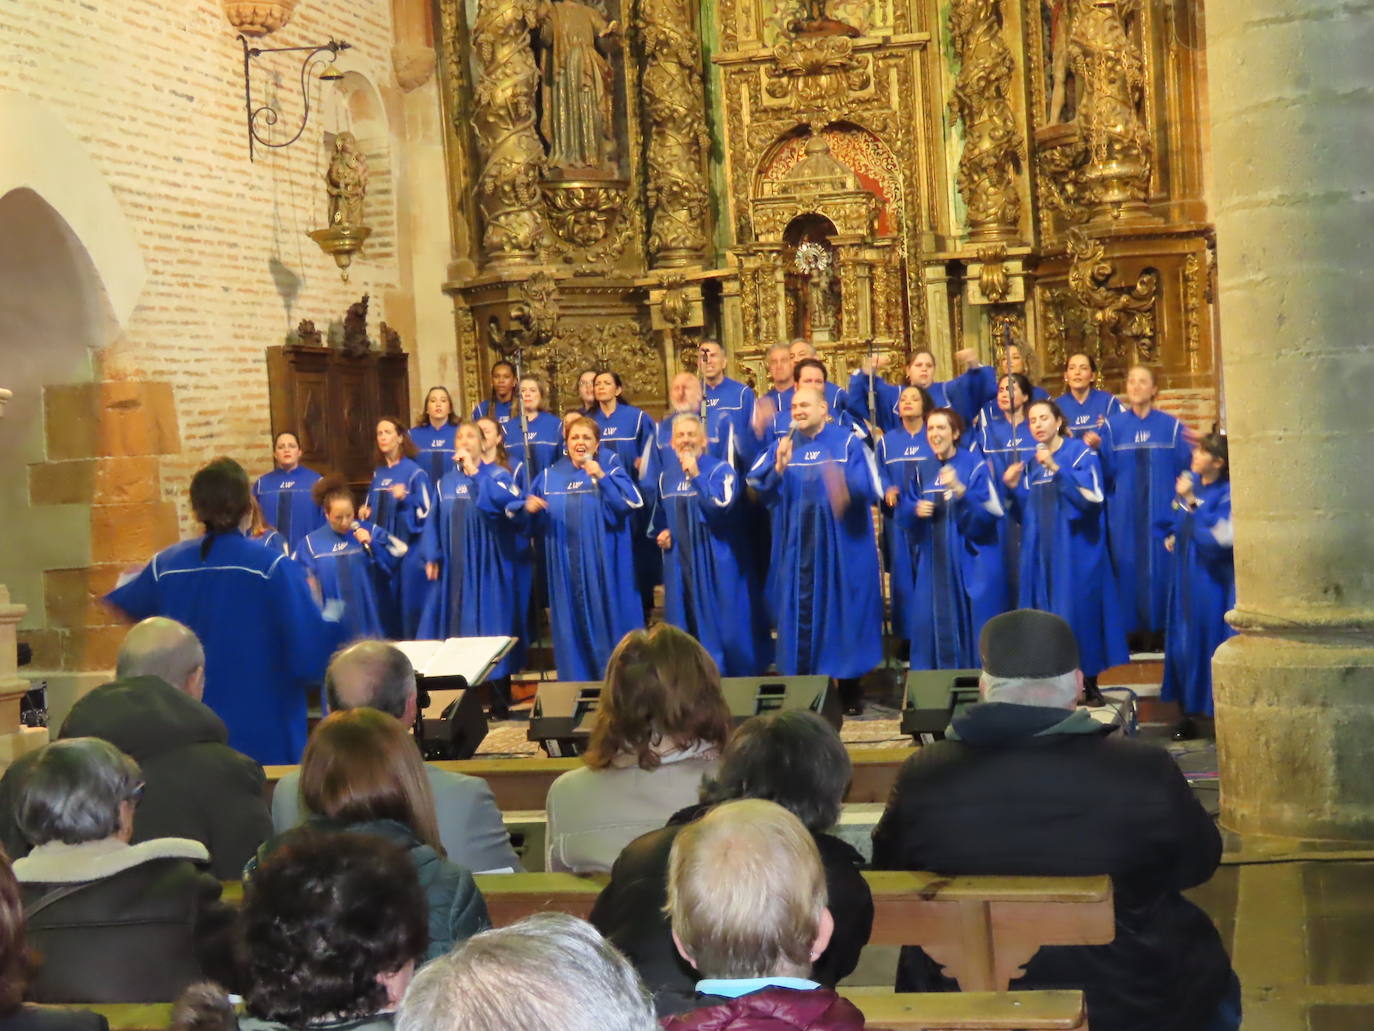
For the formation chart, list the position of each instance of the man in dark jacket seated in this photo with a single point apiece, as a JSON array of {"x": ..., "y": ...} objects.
[
  {"x": 1025, "y": 784},
  {"x": 196, "y": 786},
  {"x": 794, "y": 758},
  {"x": 746, "y": 892}
]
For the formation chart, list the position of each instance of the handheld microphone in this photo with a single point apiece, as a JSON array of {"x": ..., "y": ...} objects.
[
  {"x": 366, "y": 547},
  {"x": 1186, "y": 475},
  {"x": 792, "y": 427}
]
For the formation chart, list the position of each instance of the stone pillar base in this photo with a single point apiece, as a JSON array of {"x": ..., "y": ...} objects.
[{"x": 1295, "y": 734}]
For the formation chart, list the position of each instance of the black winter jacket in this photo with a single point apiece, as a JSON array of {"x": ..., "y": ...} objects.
[
  {"x": 196, "y": 785},
  {"x": 1024, "y": 790},
  {"x": 629, "y": 912}
]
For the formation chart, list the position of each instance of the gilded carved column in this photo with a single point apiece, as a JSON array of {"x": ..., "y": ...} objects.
[
  {"x": 1111, "y": 72},
  {"x": 504, "y": 117},
  {"x": 674, "y": 106},
  {"x": 992, "y": 145}
]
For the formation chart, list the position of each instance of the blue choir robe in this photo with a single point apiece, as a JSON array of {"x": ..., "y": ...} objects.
[
  {"x": 835, "y": 399},
  {"x": 733, "y": 402},
  {"x": 1202, "y": 591},
  {"x": 264, "y": 636},
  {"x": 1065, "y": 568},
  {"x": 593, "y": 600},
  {"x": 1090, "y": 413},
  {"x": 435, "y": 449},
  {"x": 782, "y": 424},
  {"x": 990, "y": 412},
  {"x": 628, "y": 433},
  {"x": 403, "y": 519},
  {"x": 825, "y": 579},
  {"x": 959, "y": 583},
  {"x": 1141, "y": 459},
  {"x": 965, "y": 393},
  {"x": 347, "y": 573},
  {"x": 286, "y": 504},
  {"x": 501, "y": 411},
  {"x": 900, "y": 456},
  {"x": 541, "y": 449},
  {"x": 1001, "y": 447},
  {"x": 706, "y": 590},
  {"x": 720, "y": 443},
  {"x": 274, "y": 542},
  {"x": 472, "y": 535}
]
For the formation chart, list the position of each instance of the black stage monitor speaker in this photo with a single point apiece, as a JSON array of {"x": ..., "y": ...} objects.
[
  {"x": 561, "y": 720},
  {"x": 452, "y": 723},
  {"x": 933, "y": 696}
]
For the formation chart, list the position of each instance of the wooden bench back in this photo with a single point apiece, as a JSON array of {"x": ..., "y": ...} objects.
[{"x": 523, "y": 784}]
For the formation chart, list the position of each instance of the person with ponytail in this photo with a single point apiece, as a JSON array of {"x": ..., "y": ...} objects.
[
  {"x": 265, "y": 637},
  {"x": 353, "y": 562},
  {"x": 1203, "y": 588}
]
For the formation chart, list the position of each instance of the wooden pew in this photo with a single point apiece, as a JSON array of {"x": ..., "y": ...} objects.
[
  {"x": 524, "y": 783},
  {"x": 969, "y": 1011},
  {"x": 965, "y": 1011},
  {"x": 981, "y": 930}
]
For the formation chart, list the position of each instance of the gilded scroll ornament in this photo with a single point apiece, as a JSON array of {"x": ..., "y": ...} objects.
[
  {"x": 674, "y": 105},
  {"x": 1124, "y": 313},
  {"x": 817, "y": 71},
  {"x": 992, "y": 274},
  {"x": 1063, "y": 191},
  {"x": 582, "y": 213},
  {"x": 620, "y": 344},
  {"x": 993, "y": 149},
  {"x": 504, "y": 118},
  {"x": 1108, "y": 64}
]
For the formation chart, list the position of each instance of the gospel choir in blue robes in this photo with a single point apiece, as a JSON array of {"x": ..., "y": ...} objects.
[{"x": 1085, "y": 539}]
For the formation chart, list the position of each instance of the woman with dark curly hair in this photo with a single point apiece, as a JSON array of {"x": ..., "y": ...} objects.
[
  {"x": 362, "y": 773},
  {"x": 16, "y": 967},
  {"x": 660, "y": 726},
  {"x": 333, "y": 926},
  {"x": 793, "y": 758}
]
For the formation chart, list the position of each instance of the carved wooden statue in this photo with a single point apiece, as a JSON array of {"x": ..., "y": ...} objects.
[
  {"x": 346, "y": 181},
  {"x": 577, "y": 88}
]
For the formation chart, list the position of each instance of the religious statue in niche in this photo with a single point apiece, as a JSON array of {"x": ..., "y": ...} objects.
[
  {"x": 817, "y": 304},
  {"x": 346, "y": 181},
  {"x": 577, "y": 89},
  {"x": 1060, "y": 84}
]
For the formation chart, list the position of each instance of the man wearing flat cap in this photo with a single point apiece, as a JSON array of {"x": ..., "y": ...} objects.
[{"x": 1028, "y": 784}]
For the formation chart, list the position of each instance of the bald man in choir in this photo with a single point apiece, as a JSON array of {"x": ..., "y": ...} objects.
[
  {"x": 705, "y": 590},
  {"x": 821, "y": 482}
]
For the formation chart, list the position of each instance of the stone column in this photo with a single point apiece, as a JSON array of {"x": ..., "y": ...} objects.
[{"x": 1290, "y": 85}]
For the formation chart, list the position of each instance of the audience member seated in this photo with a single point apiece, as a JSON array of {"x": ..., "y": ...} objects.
[
  {"x": 196, "y": 785},
  {"x": 792, "y": 758},
  {"x": 659, "y": 729},
  {"x": 746, "y": 893},
  {"x": 16, "y": 963},
  {"x": 378, "y": 675},
  {"x": 548, "y": 972},
  {"x": 333, "y": 926},
  {"x": 1026, "y": 784},
  {"x": 362, "y": 772},
  {"x": 114, "y": 922}
]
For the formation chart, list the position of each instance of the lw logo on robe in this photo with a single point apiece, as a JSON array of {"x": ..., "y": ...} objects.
[
  {"x": 287, "y": 484},
  {"x": 811, "y": 456},
  {"x": 1142, "y": 436},
  {"x": 340, "y": 546}
]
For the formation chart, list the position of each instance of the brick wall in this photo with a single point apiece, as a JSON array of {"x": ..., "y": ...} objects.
[{"x": 152, "y": 90}]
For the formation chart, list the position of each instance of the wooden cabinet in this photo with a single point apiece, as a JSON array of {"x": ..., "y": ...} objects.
[{"x": 332, "y": 403}]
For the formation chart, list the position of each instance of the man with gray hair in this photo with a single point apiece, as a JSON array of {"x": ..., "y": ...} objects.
[
  {"x": 1026, "y": 783},
  {"x": 197, "y": 787},
  {"x": 377, "y": 675},
  {"x": 547, "y": 972}
]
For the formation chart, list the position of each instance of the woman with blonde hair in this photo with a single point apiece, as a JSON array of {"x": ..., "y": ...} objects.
[
  {"x": 660, "y": 726},
  {"x": 363, "y": 773}
]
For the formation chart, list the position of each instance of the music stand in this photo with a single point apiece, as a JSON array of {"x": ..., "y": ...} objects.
[{"x": 449, "y": 723}]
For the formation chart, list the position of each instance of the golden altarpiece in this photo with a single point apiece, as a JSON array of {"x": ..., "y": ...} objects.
[{"x": 628, "y": 177}]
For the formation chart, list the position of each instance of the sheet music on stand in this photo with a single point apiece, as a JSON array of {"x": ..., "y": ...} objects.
[{"x": 444, "y": 669}]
